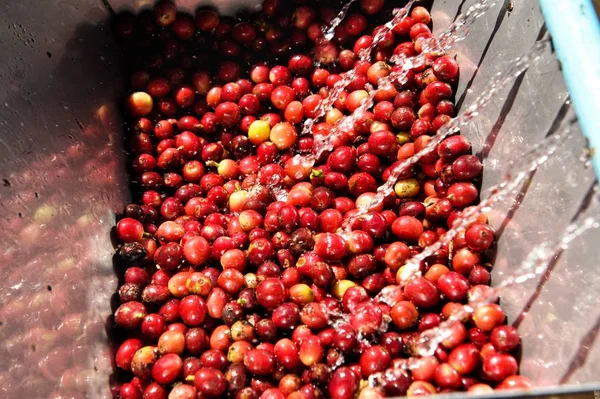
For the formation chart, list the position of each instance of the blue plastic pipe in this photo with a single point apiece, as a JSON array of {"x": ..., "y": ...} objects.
[{"x": 575, "y": 31}]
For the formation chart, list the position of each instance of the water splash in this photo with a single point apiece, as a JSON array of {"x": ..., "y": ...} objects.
[
  {"x": 536, "y": 263},
  {"x": 456, "y": 32},
  {"x": 329, "y": 31},
  {"x": 334, "y": 94},
  {"x": 399, "y": 15},
  {"x": 533, "y": 266},
  {"x": 500, "y": 80},
  {"x": 509, "y": 185}
]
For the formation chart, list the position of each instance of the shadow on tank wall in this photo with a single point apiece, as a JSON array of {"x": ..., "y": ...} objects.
[{"x": 61, "y": 184}]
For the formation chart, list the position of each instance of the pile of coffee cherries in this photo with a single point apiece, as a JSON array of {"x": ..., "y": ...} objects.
[{"x": 238, "y": 280}]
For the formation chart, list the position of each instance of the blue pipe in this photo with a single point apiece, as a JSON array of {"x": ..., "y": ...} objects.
[{"x": 575, "y": 31}]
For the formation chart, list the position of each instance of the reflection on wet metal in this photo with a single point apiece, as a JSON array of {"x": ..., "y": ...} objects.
[{"x": 62, "y": 182}]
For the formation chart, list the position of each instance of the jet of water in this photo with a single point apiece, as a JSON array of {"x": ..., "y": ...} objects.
[
  {"x": 536, "y": 263},
  {"x": 456, "y": 32},
  {"x": 327, "y": 103},
  {"x": 463, "y": 119},
  {"x": 509, "y": 185},
  {"x": 329, "y": 31}
]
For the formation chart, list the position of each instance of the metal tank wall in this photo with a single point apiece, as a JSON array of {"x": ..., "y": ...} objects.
[{"x": 62, "y": 179}]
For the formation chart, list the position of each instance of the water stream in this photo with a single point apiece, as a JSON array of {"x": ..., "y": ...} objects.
[
  {"x": 464, "y": 118},
  {"x": 533, "y": 266}
]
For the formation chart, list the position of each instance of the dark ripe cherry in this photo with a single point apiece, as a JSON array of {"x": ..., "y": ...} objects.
[
  {"x": 129, "y": 292},
  {"x": 214, "y": 358},
  {"x": 212, "y": 231},
  {"x": 516, "y": 382},
  {"x": 243, "y": 32},
  {"x": 422, "y": 292},
  {"x": 453, "y": 147},
  {"x": 210, "y": 381},
  {"x": 466, "y": 167},
  {"x": 479, "y": 275},
  {"x": 237, "y": 377},
  {"x": 403, "y": 118},
  {"x": 407, "y": 228},
  {"x": 499, "y": 366},
  {"x": 260, "y": 362},
  {"x": 169, "y": 256},
  {"x": 361, "y": 265},
  {"x": 446, "y": 377},
  {"x": 479, "y": 237},
  {"x": 153, "y": 326},
  {"x": 342, "y": 159},
  {"x": 207, "y": 20},
  {"x": 375, "y": 224},
  {"x": 462, "y": 194},
  {"x": 393, "y": 343},
  {"x": 268, "y": 269},
  {"x": 301, "y": 241},
  {"x": 446, "y": 68},
  {"x": 130, "y": 315},
  {"x": 343, "y": 383},
  {"x": 270, "y": 293},
  {"x": 266, "y": 330},
  {"x": 442, "y": 208},
  {"x": 368, "y": 163},
  {"x": 505, "y": 338},
  {"x": 464, "y": 358},
  {"x": 414, "y": 209},
  {"x": 319, "y": 374},
  {"x": 345, "y": 338},
  {"x": 192, "y": 310},
  {"x": 322, "y": 198},
  {"x": 374, "y": 359},
  {"x": 286, "y": 316},
  {"x": 428, "y": 321},
  {"x": 454, "y": 286},
  {"x": 232, "y": 312},
  {"x": 335, "y": 181}
]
